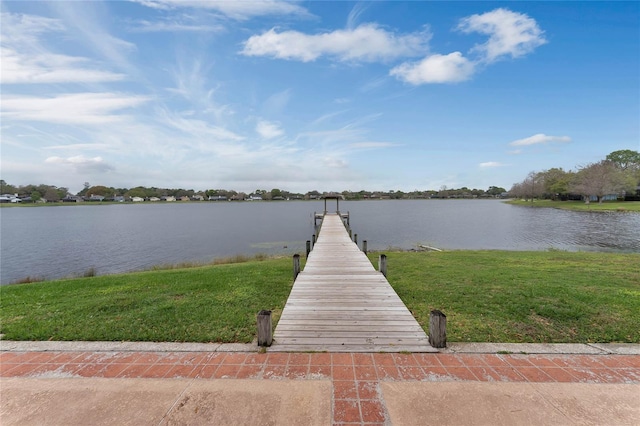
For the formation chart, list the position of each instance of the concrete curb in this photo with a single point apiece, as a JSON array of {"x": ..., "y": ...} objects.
[
  {"x": 47, "y": 346},
  {"x": 545, "y": 348},
  {"x": 455, "y": 347}
]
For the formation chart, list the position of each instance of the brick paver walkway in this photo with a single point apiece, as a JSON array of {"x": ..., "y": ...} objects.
[{"x": 355, "y": 376}]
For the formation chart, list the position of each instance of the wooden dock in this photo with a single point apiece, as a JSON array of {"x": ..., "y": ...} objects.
[{"x": 340, "y": 303}]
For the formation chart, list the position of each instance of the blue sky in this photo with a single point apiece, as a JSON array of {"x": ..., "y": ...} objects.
[{"x": 326, "y": 96}]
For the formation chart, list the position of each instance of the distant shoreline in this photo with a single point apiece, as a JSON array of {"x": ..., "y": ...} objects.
[{"x": 579, "y": 206}]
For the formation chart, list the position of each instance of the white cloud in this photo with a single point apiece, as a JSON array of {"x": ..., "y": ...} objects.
[
  {"x": 77, "y": 108},
  {"x": 540, "y": 138},
  {"x": 269, "y": 130},
  {"x": 334, "y": 163},
  {"x": 49, "y": 68},
  {"x": 510, "y": 33},
  {"x": 354, "y": 16},
  {"x": 366, "y": 43},
  {"x": 86, "y": 23},
  {"x": 25, "y": 60},
  {"x": 24, "y": 29},
  {"x": 82, "y": 163},
  {"x": 174, "y": 24},
  {"x": 451, "y": 68},
  {"x": 490, "y": 164},
  {"x": 371, "y": 145},
  {"x": 276, "y": 103},
  {"x": 234, "y": 9}
]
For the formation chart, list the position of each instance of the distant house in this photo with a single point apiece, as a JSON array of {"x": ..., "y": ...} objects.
[
  {"x": 95, "y": 198},
  {"x": 197, "y": 198},
  {"x": 154, "y": 199},
  {"x": 72, "y": 199},
  {"x": 185, "y": 198},
  {"x": 217, "y": 198},
  {"x": 254, "y": 197},
  {"x": 118, "y": 199},
  {"x": 168, "y": 198},
  {"x": 9, "y": 198},
  {"x": 137, "y": 199}
]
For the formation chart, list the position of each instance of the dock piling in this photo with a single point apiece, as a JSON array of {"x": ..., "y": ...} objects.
[
  {"x": 296, "y": 266},
  {"x": 437, "y": 329},
  {"x": 265, "y": 337},
  {"x": 382, "y": 264}
]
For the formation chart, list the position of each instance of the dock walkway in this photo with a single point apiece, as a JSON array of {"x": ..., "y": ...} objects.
[{"x": 340, "y": 303}]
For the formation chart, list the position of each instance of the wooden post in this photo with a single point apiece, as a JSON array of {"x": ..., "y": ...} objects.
[
  {"x": 313, "y": 240},
  {"x": 437, "y": 329},
  {"x": 308, "y": 247},
  {"x": 350, "y": 235},
  {"x": 264, "y": 328},
  {"x": 296, "y": 266},
  {"x": 382, "y": 264},
  {"x": 355, "y": 238},
  {"x": 364, "y": 246}
]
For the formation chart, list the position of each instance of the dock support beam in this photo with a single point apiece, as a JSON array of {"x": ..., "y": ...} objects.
[
  {"x": 364, "y": 246},
  {"x": 308, "y": 247}
]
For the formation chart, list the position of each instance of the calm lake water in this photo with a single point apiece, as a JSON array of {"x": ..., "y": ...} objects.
[{"x": 54, "y": 242}]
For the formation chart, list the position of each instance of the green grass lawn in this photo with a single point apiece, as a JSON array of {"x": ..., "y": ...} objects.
[
  {"x": 204, "y": 304},
  {"x": 494, "y": 296},
  {"x": 621, "y": 206},
  {"x": 490, "y": 296}
]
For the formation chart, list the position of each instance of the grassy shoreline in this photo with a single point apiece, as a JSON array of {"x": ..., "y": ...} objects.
[
  {"x": 606, "y": 206},
  {"x": 491, "y": 296}
]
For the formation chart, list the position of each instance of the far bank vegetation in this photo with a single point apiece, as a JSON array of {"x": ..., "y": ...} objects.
[{"x": 617, "y": 177}]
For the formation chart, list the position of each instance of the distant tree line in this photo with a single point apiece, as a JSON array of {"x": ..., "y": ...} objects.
[
  {"x": 617, "y": 175},
  {"x": 52, "y": 193}
]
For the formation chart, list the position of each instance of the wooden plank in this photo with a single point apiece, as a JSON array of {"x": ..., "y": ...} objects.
[
  {"x": 354, "y": 328},
  {"x": 348, "y": 335},
  {"x": 355, "y": 341}
]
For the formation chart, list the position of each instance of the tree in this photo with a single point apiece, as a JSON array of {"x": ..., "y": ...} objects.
[
  {"x": 100, "y": 190},
  {"x": 51, "y": 194},
  {"x": 600, "y": 179},
  {"x": 136, "y": 192},
  {"x": 625, "y": 159},
  {"x": 84, "y": 190},
  {"x": 555, "y": 182},
  {"x": 275, "y": 192},
  {"x": 629, "y": 162},
  {"x": 495, "y": 191},
  {"x": 531, "y": 187},
  {"x": 62, "y": 191},
  {"x": 5, "y": 188}
]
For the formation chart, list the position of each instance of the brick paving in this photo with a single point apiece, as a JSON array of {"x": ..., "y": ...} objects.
[{"x": 355, "y": 376}]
